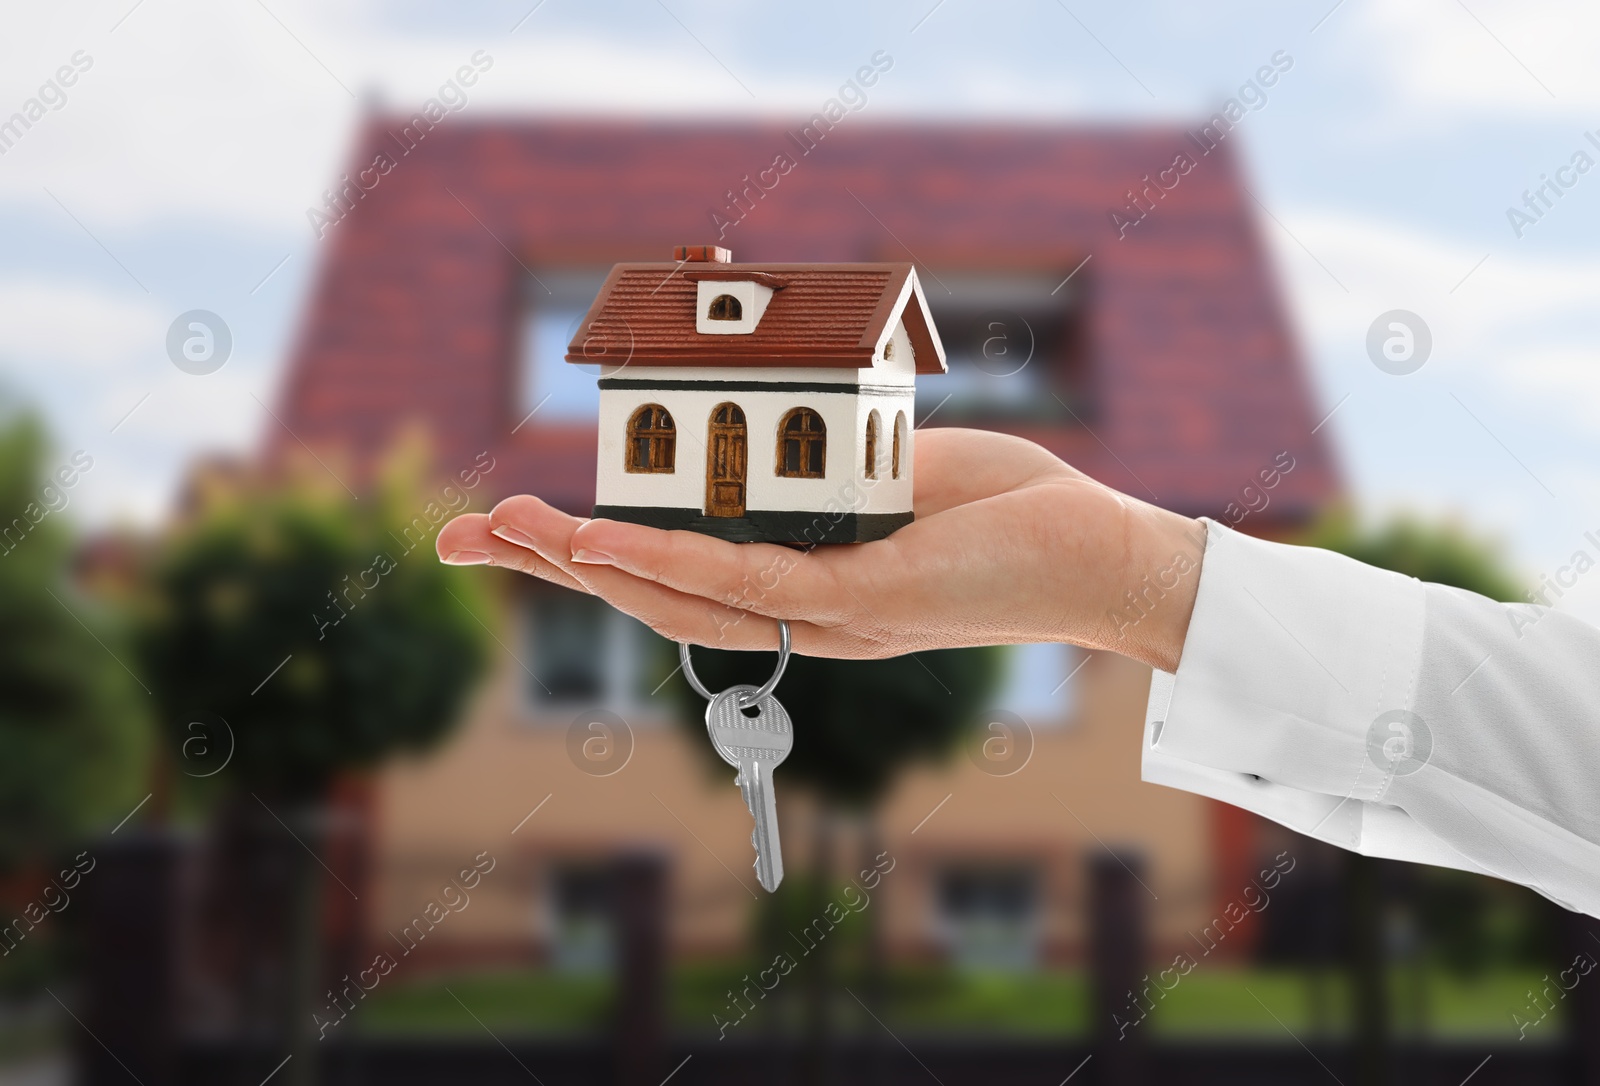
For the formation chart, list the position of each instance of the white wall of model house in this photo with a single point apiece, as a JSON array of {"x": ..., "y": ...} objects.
[{"x": 888, "y": 386}]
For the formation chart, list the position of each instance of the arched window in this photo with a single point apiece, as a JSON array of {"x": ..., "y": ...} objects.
[
  {"x": 899, "y": 442},
  {"x": 871, "y": 465},
  {"x": 802, "y": 444},
  {"x": 725, "y": 307},
  {"x": 652, "y": 440}
]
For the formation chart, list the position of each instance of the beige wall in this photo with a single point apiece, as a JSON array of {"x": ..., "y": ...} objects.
[{"x": 437, "y": 813}]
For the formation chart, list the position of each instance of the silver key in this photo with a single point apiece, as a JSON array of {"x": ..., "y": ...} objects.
[{"x": 756, "y": 745}]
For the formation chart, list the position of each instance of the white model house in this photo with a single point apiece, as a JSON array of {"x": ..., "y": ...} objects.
[{"x": 758, "y": 401}]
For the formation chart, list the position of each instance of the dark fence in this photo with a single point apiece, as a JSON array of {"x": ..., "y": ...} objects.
[
  {"x": 129, "y": 988},
  {"x": 951, "y": 1061}
]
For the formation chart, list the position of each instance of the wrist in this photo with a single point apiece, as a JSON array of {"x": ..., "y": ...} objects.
[{"x": 1157, "y": 585}]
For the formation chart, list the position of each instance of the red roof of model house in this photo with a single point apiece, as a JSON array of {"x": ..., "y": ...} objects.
[
  {"x": 1190, "y": 379},
  {"x": 820, "y": 315}
]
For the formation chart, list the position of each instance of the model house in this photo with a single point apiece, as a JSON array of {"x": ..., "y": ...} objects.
[{"x": 758, "y": 401}]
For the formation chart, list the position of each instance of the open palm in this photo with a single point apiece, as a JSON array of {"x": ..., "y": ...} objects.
[{"x": 1009, "y": 545}]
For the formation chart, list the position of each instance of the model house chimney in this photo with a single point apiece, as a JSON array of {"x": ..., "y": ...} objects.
[{"x": 702, "y": 254}]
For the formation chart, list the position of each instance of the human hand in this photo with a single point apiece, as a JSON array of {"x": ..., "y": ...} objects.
[{"x": 1009, "y": 545}]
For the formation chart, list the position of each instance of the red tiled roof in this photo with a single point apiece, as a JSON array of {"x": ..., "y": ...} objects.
[
  {"x": 819, "y": 315},
  {"x": 1193, "y": 380}
]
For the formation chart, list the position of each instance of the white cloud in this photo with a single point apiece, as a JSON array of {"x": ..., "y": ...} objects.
[
  {"x": 72, "y": 328},
  {"x": 161, "y": 418},
  {"x": 1562, "y": 379},
  {"x": 1513, "y": 344},
  {"x": 1482, "y": 315},
  {"x": 95, "y": 360},
  {"x": 1479, "y": 57},
  {"x": 217, "y": 112}
]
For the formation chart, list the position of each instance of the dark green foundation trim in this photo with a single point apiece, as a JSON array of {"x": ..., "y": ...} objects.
[
  {"x": 763, "y": 526},
  {"x": 646, "y": 385}
]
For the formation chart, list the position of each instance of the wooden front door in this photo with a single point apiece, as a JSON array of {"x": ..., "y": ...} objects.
[{"x": 726, "y": 446}]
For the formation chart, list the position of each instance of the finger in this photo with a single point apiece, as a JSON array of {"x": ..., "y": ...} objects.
[
  {"x": 526, "y": 521},
  {"x": 467, "y": 541},
  {"x": 765, "y": 578},
  {"x": 546, "y": 531}
]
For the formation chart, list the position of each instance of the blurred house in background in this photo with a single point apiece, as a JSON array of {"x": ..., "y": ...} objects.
[{"x": 1154, "y": 355}]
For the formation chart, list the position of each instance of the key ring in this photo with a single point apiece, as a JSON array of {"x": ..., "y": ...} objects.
[{"x": 766, "y": 688}]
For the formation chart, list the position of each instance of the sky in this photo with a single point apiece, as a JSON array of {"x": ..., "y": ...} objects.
[{"x": 176, "y": 171}]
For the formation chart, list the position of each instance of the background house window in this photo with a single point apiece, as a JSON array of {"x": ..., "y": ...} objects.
[
  {"x": 802, "y": 440},
  {"x": 1013, "y": 345},
  {"x": 1041, "y": 683},
  {"x": 580, "y": 930},
  {"x": 652, "y": 440},
  {"x": 583, "y": 653},
  {"x": 988, "y": 916},
  {"x": 725, "y": 307},
  {"x": 871, "y": 467},
  {"x": 554, "y": 306}
]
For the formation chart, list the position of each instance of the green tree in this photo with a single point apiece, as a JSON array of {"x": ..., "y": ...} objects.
[
  {"x": 309, "y": 635},
  {"x": 377, "y": 641},
  {"x": 1441, "y": 552},
  {"x": 857, "y": 724},
  {"x": 72, "y": 731}
]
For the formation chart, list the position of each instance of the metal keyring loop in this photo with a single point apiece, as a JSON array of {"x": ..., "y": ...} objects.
[{"x": 766, "y": 688}]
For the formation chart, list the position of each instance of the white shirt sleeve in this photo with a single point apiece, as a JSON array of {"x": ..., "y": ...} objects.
[{"x": 1399, "y": 719}]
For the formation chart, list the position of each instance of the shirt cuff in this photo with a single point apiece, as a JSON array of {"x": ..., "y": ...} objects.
[{"x": 1293, "y": 655}]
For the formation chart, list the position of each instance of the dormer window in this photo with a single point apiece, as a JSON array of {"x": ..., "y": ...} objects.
[{"x": 730, "y": 303}]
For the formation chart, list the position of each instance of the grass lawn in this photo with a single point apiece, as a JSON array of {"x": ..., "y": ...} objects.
[
  {"x": 27, "y": 1032},
  {"x": 517, "y": 1002},
  {"x": 1208, "y": 1002}
]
